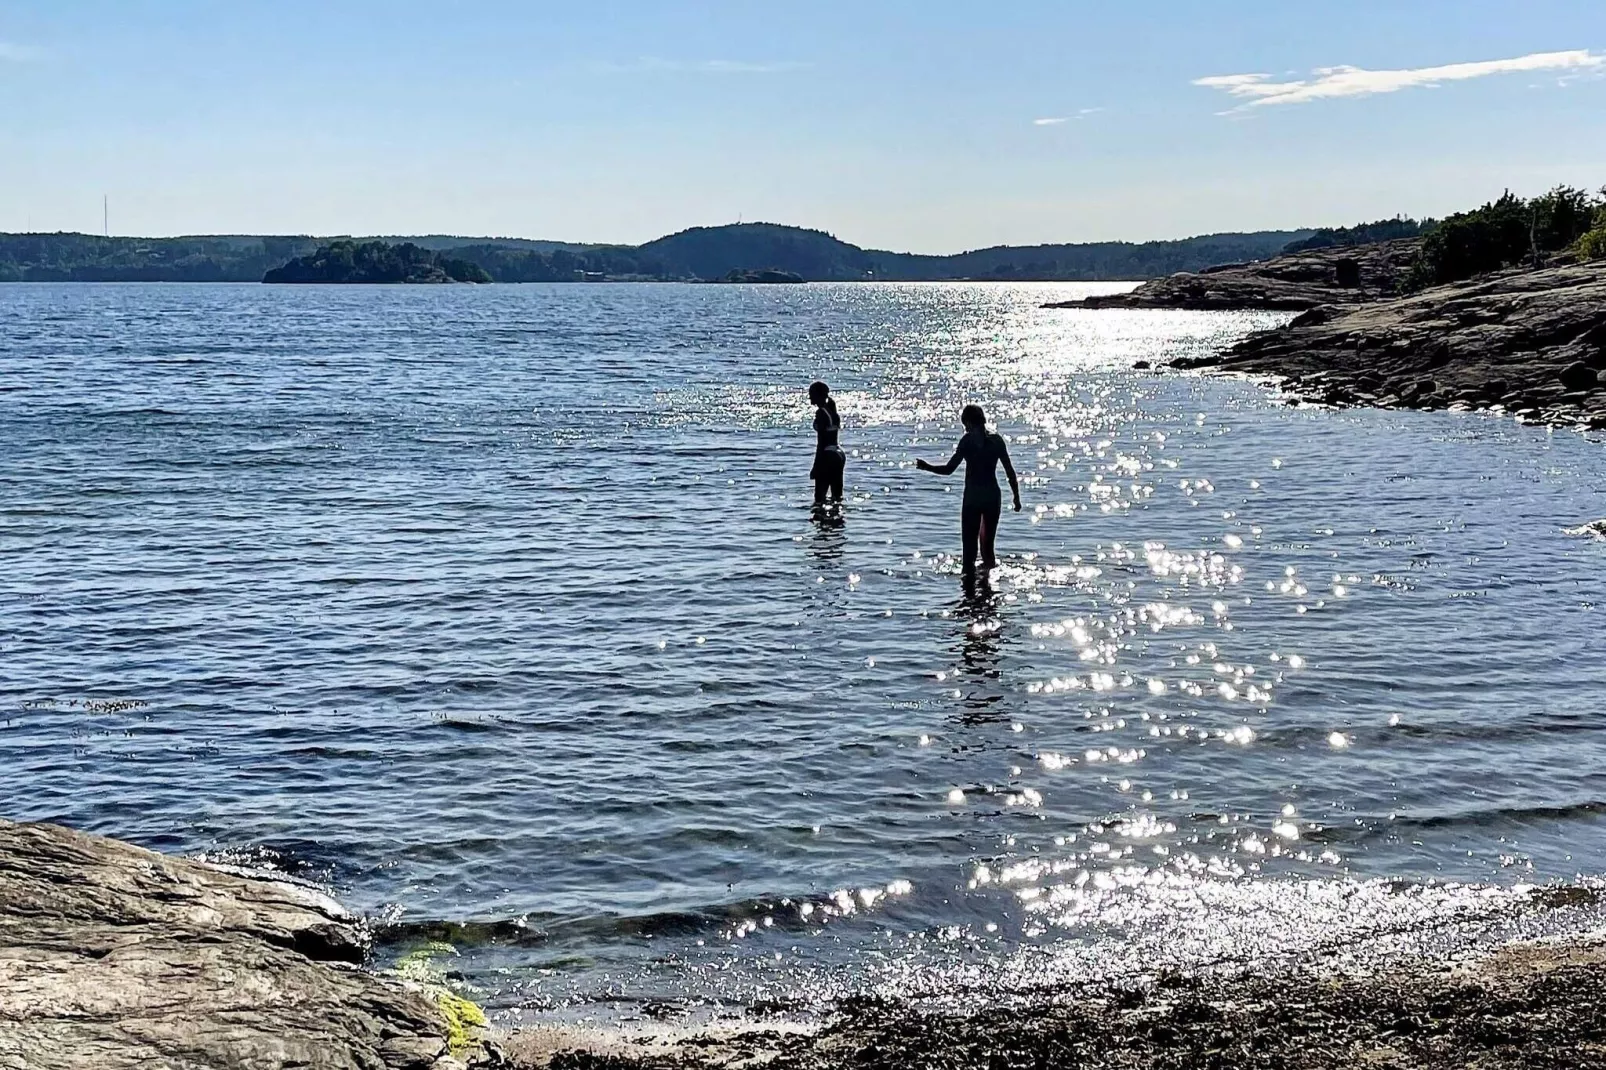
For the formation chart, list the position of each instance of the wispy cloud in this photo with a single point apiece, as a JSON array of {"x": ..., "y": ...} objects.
[
  {"x": 17, "y": 53},
  {"x": 652, "y": 64},
  {"x": 1055, "y": 120},
  {"x": 1260, "y": 90}
]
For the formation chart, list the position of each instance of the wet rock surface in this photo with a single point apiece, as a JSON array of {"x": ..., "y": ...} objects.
[
  {"x": 1527, "y": 1006},
  {"x": 1337, "y": 276},
  {"x": 1530, "y": 342},
  {"x": 112, "y": 956}
]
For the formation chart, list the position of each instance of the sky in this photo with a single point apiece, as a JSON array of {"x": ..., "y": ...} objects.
[{"x": 935, "y": 126}]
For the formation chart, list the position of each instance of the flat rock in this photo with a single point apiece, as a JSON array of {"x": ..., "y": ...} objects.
[
  {"x": 1519, "y": 339},
  {"x": 1341, "y": 275},
  {"x": 113, "y": 956}
]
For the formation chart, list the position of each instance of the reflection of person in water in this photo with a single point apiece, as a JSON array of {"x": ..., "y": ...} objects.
[
  {"x": 982, "y": 451},
  {"x": 829, "y": 461},
  {"x": 980, "y": 652}
]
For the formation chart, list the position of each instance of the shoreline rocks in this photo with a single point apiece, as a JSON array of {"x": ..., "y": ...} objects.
[
  {"x": 1526, "y": 1005},
  {"x": 112, "y": 956},
  {"x": 1528, "y": 342},
  {"x": 115, "y": 957},
  {"x": 1338, "y": 275}
]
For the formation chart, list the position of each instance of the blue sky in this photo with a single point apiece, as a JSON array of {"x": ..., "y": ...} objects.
[{"x": 919, "y": 126}]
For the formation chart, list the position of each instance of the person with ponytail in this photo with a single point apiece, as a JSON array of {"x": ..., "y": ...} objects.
[
  {"x": 829, "y": 461},
  {"x": 982, "y": 451}
]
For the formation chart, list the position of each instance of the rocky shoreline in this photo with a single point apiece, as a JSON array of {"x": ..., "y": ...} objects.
[
  {"x": 1526, "y": 1006},
  {"x": 1531, "y": 343},
  {"x": 1527, "y": 342},
  {"x": 115, "y": 957},
  {"x": 112, "y": 957},
  {"x": 1340, "y": 275}
]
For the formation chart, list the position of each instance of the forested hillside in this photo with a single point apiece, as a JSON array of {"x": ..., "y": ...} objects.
[{"x": 698, "y": 253}]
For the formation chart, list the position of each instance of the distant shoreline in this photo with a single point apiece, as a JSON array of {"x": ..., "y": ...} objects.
[
  {"x": 720, "y": 283},
  {"x": 699, "y": 254}
]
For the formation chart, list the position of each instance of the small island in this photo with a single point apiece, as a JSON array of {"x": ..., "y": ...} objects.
[
  {"x": 375, "y": 262},
  {"x": 768, "y": 276}
]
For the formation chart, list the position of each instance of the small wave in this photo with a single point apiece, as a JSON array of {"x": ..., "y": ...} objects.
[
  {"x": 1595, "y": 529},
  {"x": 736, "y": 918},
  {"x": 305, "y": 862},
  {"x": 1515, "y": 814}
]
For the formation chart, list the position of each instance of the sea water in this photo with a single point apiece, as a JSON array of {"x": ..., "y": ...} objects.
[{"x": 502, "y": 613}]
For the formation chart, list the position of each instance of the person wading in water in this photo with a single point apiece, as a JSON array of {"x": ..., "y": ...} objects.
[
  {"x": 829, "y": 461},
  {"x": 982, "y": 451}
]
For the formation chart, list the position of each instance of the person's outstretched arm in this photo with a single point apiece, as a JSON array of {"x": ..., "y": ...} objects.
[
  {"x": 1009, "y": 470},
  {"x": 941, "y": 469}
]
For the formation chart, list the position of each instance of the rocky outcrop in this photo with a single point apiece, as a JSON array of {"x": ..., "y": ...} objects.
[
  {"x": 112, "y": 956},
  {"x": 1340, "y": 275},
  {"x": 1532, "y": 342}
]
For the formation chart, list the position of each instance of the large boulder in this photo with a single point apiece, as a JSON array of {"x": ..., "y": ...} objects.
[
  {"x": 115, "y": 957},
  {"x": 1525, "y": 340},
  {"x": 1578, "y": 376}
]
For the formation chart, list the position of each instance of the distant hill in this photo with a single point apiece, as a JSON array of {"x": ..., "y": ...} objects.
[
  {"x": 714, "y": 252},
  {"x": 92, "y": 258},
  {"x": 438, "y": 243},
  {"x": 1089, "y": 262},
  {"x": 698, "y": 253}
]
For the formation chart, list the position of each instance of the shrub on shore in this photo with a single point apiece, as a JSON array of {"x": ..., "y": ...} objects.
[
  {"x": 1509, "y": 232},
  {"x": 1592, "y": 246}
]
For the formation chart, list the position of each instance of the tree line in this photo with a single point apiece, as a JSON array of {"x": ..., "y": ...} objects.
[
  {"x": 376, "y": 262},
  {"x": 1513, "y": 232},
  {"x": 1507, "y": 232}
]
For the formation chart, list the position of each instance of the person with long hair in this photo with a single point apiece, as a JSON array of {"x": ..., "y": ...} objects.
[
  {"x": 829, "y": 460},
  {"x": 982, "y": 451}
]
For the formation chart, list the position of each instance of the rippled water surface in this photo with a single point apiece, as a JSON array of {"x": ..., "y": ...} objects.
[{"x": 502, "y": 612}]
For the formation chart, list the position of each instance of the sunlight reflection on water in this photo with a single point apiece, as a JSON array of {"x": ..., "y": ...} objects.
[{"x": 501, "y": 611}]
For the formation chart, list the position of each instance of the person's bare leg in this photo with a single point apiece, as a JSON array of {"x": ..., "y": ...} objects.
[
  {"x": 989, "y": 537},
  {"x": 969, "y": 535}
]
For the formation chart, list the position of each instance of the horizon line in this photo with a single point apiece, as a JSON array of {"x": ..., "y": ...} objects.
[{"x": 469, "y": 239}]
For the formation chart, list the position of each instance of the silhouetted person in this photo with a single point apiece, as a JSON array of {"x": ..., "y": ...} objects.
[
  {"x": 829, "y": 461},
  {"x": 982, "y": 451}
]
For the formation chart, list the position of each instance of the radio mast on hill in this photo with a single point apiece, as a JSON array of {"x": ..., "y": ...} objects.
[{"x": 106, "y": 214}]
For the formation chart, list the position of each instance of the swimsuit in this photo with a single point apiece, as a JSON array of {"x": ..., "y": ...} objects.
[{"x": 829, "y": 460}]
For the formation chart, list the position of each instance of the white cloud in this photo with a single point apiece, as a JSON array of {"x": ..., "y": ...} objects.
[
  {"x": 701, "y": 66},
  {"x": 17, "y": 53},
  {"x": 1259, "y": 90},
  {"x": 1055, "y": 120}
]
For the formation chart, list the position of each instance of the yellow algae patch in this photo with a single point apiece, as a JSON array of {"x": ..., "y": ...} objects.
[
  {"x": 464, "y": 1021},
  {"x": 419, "y": 964}
]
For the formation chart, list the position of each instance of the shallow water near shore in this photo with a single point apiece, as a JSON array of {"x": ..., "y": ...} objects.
[{"x": 502, "y": 613}]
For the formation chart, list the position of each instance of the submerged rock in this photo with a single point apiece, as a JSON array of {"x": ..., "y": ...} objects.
[{"x": 113, "y": 956}]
